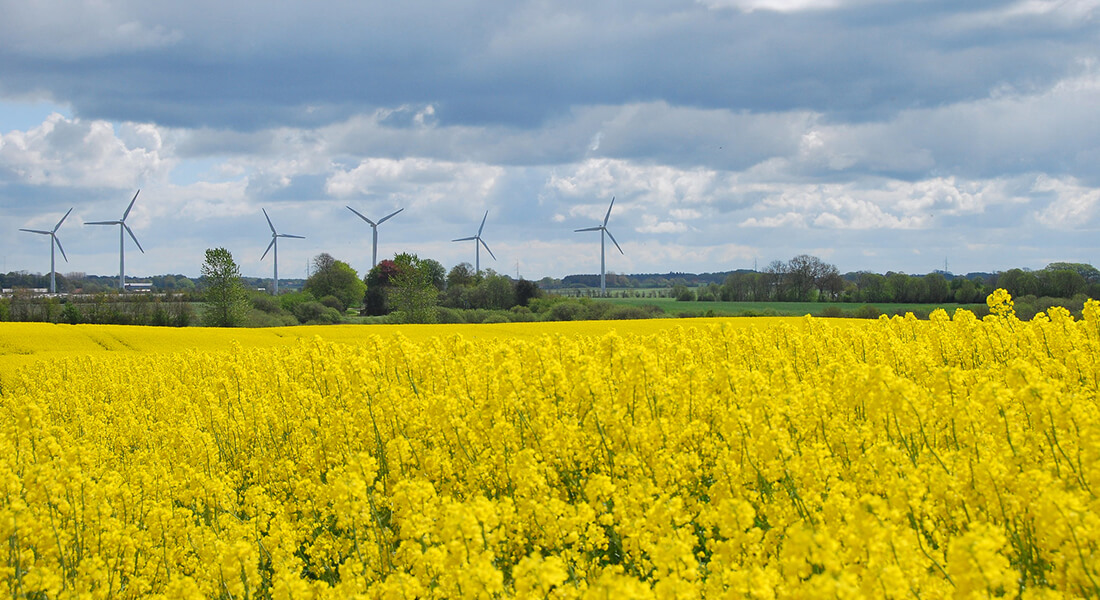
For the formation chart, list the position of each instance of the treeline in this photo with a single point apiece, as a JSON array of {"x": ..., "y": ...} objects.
[
  {"x": 418, "y": 290},
  {"x": 639, "y": 280},
  {"x": 105, "y": 308},
  {"x": 80, "y": 283},
  {"x": 808, "y": 279}
]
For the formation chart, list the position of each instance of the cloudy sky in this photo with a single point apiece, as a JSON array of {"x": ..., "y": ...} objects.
[{"x": 875, "y": 134}]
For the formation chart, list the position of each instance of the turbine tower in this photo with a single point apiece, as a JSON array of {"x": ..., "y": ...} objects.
[
  {"x": 122, "y": 228},
  {"x": 603, "y": 229},
  {"x": 275, "y": 244},
  {"x": 478, "y": 244},
  {"x": 374, "y": 228},
  {"x": 53, "y": 242}
]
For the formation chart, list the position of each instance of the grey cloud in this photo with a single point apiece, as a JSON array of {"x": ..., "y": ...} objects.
[{"x": 245, "y": 66}]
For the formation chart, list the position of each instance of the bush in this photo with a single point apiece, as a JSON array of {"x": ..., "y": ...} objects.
[
  {"x": 71, "y": 314},
  {"x": 568, "y": 310},
  {"x": 315, "y": 313},
  {"x": 597, "y": 311},
  {"x": 333, "y": 302},
  {"x": 449, "y": 315},
  {"x": 626, "y": 311},
  {"x": 831, "y": 312},
  {"x": 867, "y": 312},
  {"x": 522, "y": 314},
  {"x": 291, "y": 300},
  {"x": 496, "y": 317},
  {"x": 259, "y": 318},
  {"x": 266, "y": 304}
]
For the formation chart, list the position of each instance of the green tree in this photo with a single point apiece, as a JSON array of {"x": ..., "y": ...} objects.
[
  {"x": 936, "y": 288},
  {"x": 405, "y": 284},
  {"x": 436, "y": 272},
  {"x": 462, "y": 274},
  {"x": 226, "y": 299},
  {"x": 526, "y": 291},
  {"x": 1085, "y": 270},
  {"x": 1062, "y": 283},
  {"x": 335, "y": 278},
  {"x": 494, "y": 291},
  {"x": 412, "y": 290}
]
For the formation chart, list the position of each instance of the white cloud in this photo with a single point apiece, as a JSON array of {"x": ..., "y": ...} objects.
[
  {"x": 650, "y": 224},
  {"x": 787, "y": 219},
  {"x": 1072, "y": 205},
  {"x": 419, "y": 182},
  {"x": 76, "y": 153},
  {"x": 776, "y": 5},
  {"x": 685, "y": 214}
]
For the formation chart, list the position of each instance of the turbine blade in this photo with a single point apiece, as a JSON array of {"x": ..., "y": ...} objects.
[
  {"x": 133, "y": 237},
  {"x": 487, "y": 248},
  {"x": 37, "y": 231},
  {"x": 466, "y": 239},
  {"x": 608, "y": 215},
  {"x": 385, "y": 218},
  {"x": 58, "y": 226},
  {"x": 614, "y": 242},
  {"x": 361, "y": 216},
  {"x": 61, "y": 248},
  {"x": 300, "y": 237},
  {"x": 588, "y": 229},
  {"x": 482, "y": 223},
  {"x": 269, "y": 223},
  {"x": 268, "y": 248},
  {"x": 102, "y": 222},
  {"x": 127, "y": 213}
]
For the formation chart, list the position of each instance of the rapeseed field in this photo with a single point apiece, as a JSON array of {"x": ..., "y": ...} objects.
[{"x": 737, "y": 458}]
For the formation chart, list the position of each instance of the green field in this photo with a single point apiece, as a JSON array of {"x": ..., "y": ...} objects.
[{"x": 675, "y": 307}]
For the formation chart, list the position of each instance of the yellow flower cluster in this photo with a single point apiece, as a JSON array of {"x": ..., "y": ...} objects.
[{"x": 954, "y": 457}]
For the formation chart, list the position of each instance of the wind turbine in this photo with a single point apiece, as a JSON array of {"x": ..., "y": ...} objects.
[
  {"x": 374, "y": 228},
  {"x": 603, "y": 229},
  {"x": 275, "y": 244},
  {"x": 122, "y": 228},
  {"x": 478, "y": 244},
  {"x": 53, "y": 242}
]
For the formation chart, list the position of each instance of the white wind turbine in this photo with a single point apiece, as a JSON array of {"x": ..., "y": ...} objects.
[
  {"x": 53, "y": 242},
  {"x": 603, "y": 229},
  {"x": 374, "y": 228},
  {"x": 478, "y": 244},
  {"x": 122, "y": 228},
  {"x": 275, "y": 235}
]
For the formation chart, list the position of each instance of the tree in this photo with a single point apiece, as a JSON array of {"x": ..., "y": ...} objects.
[
  {"x": 936, "y": 288},
  {"x": 436, "y": 272},
  {"x": 462, "y": 274},
  {"x": 873, "y": 288},
  {"x": 526, "y": 291},
  {"x": 802, "y": 274},
  {"x": 494, "y": 291},
  {"x": 405, "y": 284},
  {"x": 336, "y": 278},
  {"x": 1062, "y": 283},
  {"x": 226, "y": 299},
  {"x": 412, "y": 291},
  {"x": 1085, "y": 270}
]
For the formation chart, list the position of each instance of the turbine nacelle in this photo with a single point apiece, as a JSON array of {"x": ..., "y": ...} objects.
[{"x": 374, "y": 229}]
